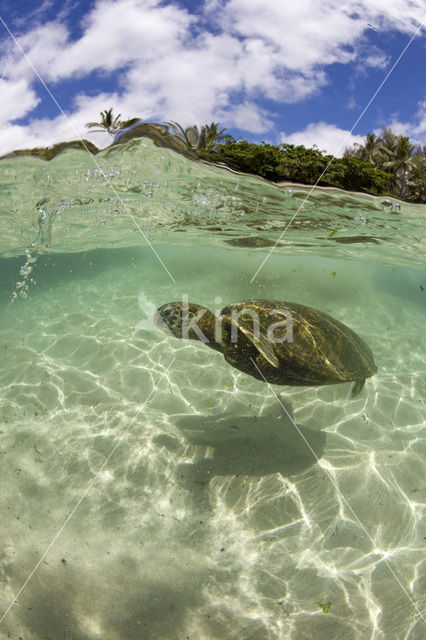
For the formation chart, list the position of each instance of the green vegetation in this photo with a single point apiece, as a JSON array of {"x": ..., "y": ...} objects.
[
  {"x": 47, "y": 153},
  {"x": 386, "y": 164},
  {"x": 405, "y": 162},
  {"x": 298, "y": 164}
]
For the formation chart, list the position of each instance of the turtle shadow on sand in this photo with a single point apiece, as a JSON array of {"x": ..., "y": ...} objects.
[{"x": 250, "y": 445}]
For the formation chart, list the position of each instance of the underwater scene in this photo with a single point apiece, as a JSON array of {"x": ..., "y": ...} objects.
[{"x": 151, "y": 489}]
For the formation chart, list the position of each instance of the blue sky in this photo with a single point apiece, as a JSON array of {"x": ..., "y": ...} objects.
[{"x": 300, "y": 71}]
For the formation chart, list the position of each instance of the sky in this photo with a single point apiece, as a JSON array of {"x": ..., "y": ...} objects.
[{"x": 296, "y": 71}]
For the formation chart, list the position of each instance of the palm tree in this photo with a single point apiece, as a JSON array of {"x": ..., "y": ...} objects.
[
  {"x": 189, "y": 136},
  {"x": 388, "y": 139},
  {"x": 108, "y": 122},
  {"x": 417, "y": 180},
  {"x": 211, "y": 135},
  {"x": 400, "y": 160},
  {"x": 195, "y": 139},
  {"x": 370, "y": 151}
]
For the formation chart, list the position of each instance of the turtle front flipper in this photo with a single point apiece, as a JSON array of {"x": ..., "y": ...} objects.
[
  {"x": 261, "y": 342},
  {"x": 358, "y": 386}
]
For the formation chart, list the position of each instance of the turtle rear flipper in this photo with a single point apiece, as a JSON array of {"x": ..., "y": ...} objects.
[{"x": 359, "y": 384}]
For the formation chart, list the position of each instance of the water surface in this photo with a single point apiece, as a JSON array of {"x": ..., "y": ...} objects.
[{"x": 211, "y": 518}]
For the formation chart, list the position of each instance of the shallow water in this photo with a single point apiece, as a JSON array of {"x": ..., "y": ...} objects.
[{"x": 150, "y": 490}]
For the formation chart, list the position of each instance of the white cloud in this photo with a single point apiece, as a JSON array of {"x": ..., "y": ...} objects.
[
  {"x": 327, "y": 137},
  {"x": 398, "y": 14},
  {"x": 247, "y": 117},
  {"x": 119, "y": 33},
  {"x": 218, "y": 65},
  {"x": 415, "y": 130},
  {"x": 17, "y": 99},
  {"x": 43, "y": 45},
  {"x": 418, "y": 129},
  {"x": 307, "y": 16},
  {"x": 303, "y": 34},
  {"x": 45, "y": 132}
]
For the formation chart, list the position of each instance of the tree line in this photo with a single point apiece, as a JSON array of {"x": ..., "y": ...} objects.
[
  {"x": 396, "y": 155},
  {"x": 385, "y": 164}
]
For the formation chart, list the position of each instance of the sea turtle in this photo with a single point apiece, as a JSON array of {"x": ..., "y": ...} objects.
[{"x": 278, "y": 342}]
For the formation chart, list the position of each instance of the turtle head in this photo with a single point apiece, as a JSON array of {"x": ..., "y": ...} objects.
[
  {"x": 186, "y": 320},
  {"x": 169, "y": 318}
]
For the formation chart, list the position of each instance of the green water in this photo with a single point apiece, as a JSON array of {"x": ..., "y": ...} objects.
[{"x": 149, "y": 489}]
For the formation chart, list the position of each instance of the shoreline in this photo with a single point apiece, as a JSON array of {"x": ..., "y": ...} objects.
[{"x": 301, "y": 185}]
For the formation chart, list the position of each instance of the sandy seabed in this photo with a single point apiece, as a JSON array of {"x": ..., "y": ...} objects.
[{"x": 212, "y": 518}]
